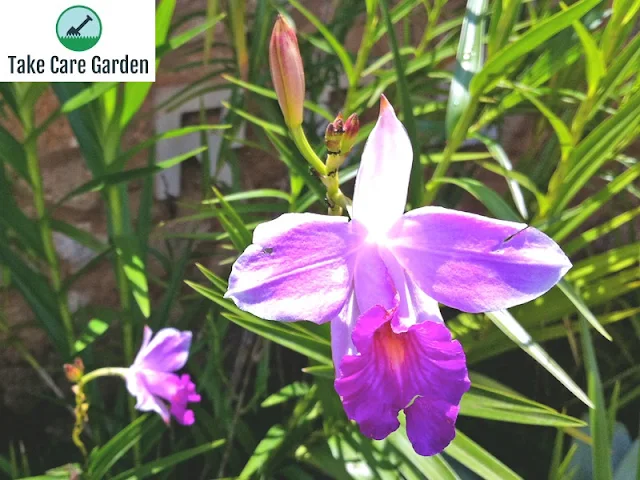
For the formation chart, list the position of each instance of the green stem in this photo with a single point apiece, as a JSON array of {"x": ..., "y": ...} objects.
[
  {"x": 305, "y": 149},
  {"x": 102, "y": 372},
  {"x": 46, "y": 233}
]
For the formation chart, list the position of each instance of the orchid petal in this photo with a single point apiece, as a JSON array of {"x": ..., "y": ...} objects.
[
  {"x": 168, "y": 351},
  {"x": 154, "y": 388},
  {"x": 474, "y": 263},
  {"x": 392, "y": 369},
  {"x": 341, "y": 330},
  {"x": 145, "y": 400},
  {"x": 431, "y": 425},
  {"x": 383, "y": 178},
  {"x": 299, "y": 267},
  {"x": 372, "y": 281}
]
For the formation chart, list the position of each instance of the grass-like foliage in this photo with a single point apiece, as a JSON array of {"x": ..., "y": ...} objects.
[{"x": 518, "y": 110}]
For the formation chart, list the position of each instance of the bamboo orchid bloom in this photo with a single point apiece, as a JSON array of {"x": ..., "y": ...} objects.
[
  {"x": 151, "y": 378},
  {"x": 379, "y": 278}
]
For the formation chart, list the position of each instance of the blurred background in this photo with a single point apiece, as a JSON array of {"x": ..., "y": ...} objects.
[{"x": 115, "y": 195}]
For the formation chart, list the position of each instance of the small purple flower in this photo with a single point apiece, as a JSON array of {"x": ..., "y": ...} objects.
[
  {"x": 379, "y": 279},
  {"x": 151, "y": 378}
]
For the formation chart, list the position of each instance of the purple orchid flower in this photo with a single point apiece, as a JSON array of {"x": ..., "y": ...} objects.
[
  {"x": 151, "y": 378},
  {"x": 379, "y": 279}
]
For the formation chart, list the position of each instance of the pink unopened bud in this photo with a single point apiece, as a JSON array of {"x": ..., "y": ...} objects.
[
  {"x": 333, "y": 135},
  {"x": 351, "y": 129},
  {"x": 74, "y": 371},
  {"x": 287, "y": 72}
]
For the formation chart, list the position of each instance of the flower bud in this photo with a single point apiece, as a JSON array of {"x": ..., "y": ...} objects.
[
  {"x": 351, "y": 129},
  {"x": 287, "y": 72},
  {"x": 74, "y": 372},
  {"x": 333, "y": 135}
]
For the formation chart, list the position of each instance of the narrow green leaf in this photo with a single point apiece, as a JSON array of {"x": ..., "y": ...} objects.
[
  {"x": 153, "y": 469},
  {"x": 270, "y": 93},
  {"x": 109, "y": 179},
  {"x": 103, "y": 458},
  {"x": 94, "y": 329},
  {"x": 416, "y": 181},
  {"x": 502, "y": 158},
  {"x": 281, "y": 333},
  {"x": 596, "y": 67},
  {"x": 469, "y": 61},
  {"x": 500, "y": 405},
  {"x": 598, "y": 414},
  {"x": 599, "y": 231},
  {"x": 478, "y": 460},
  {"x": 89, "y": 94},
  {"x": 128, "y": 249},
  {"x": 594, "y": 204},
  {"x": 293, "y": 390},
  {"x": 489, "y": 198},
  {"x": 336, "y": 46},
  {"x": 534, "y": 37},
  {"x": 572, "y": 295},
  {"x": 12, "y": 152},
  {"x": 435, "y": 467},
  {"x": 511, "y": 328},
  {"x": 272, "y": 441},
  {"x": 609, "y": 137}
]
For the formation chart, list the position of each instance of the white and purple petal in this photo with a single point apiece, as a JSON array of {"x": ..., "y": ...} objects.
[
  {"x": 383, "y": 177},
  {"x": 474, "y": 263},
  {"x": 299, "y": 267},
  {"x": 167, "y": 351},
  {"x": 421, "y": 370}
]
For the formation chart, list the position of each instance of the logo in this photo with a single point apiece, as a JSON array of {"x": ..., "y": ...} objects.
[{"x": 79, "y": 28}]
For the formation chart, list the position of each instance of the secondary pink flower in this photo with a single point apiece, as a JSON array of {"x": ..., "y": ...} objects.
[
  {"x": 379, "y": 279},
  {"x": 151, "y": 378}
]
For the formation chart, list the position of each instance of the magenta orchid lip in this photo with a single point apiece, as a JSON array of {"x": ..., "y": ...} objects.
[{"x": 378, "y": 278}]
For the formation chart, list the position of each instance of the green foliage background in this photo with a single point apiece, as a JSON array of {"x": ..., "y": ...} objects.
[{"x": 269, "y": 409}]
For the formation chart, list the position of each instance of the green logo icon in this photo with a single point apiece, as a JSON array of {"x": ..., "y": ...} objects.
[{"x": 79, "y": 28}]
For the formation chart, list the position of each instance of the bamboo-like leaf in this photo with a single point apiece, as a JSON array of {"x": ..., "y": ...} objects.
[
  {"x": 282, "y": 334},
  {"x": 435, "y": 467},
  {"x": 502, "y": 158},
  {"x": 596, "y": 67},
  {"x": 116, "y": 178},
  {"x": 154, "y": 468},
  {"x": 416, "y": 181},
  {"x": 336, "y": 46},
  {"x": 489, "y": 198},
  {"x": 478, "y": 460},
  {"x": 601, "y": 230},
  {"x": 598, "y": 414},
  {"x": 496, "y": 404},
  {"x": 574, "y": 297},
  {"x": 534, "y": 37},
  {"x": 593, "y": 204},
  {"x": 128, "y": 249},
  {"x": 469, "y": 61},
  {"x": 510, "y": 327},
  {"x": 595, "y": 149},
  {"x": 103, "y": 458},
  {"x": 87, "y": 95},
  {"x": 12, "y": 152}
]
